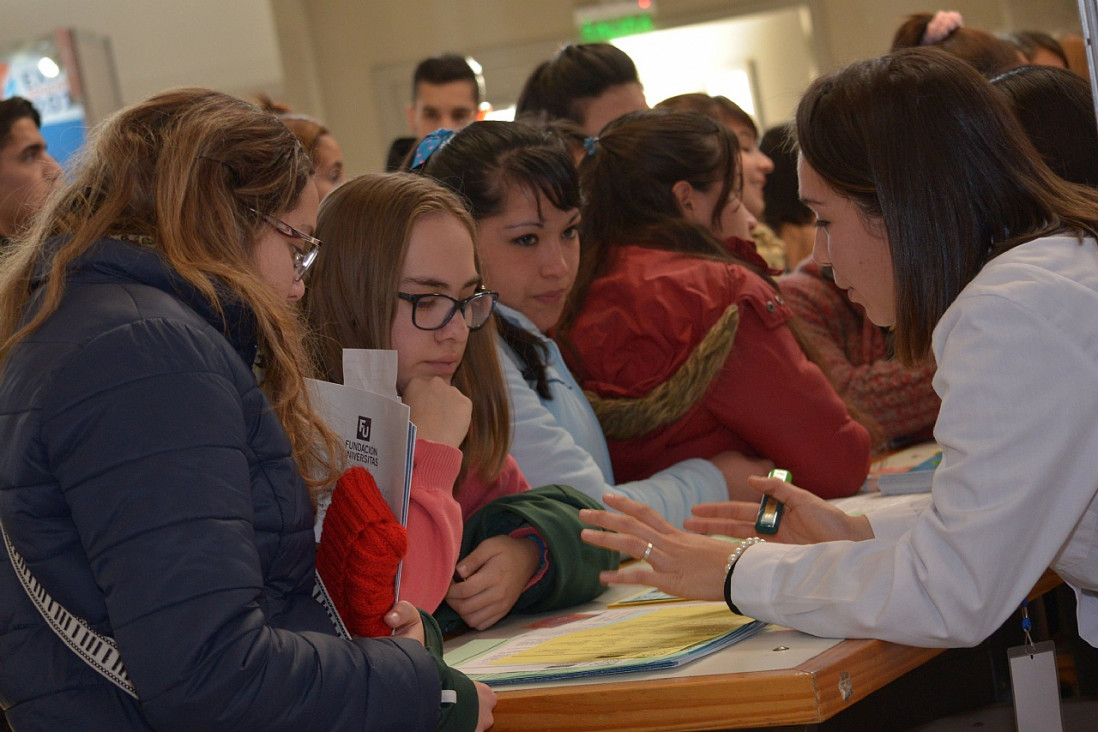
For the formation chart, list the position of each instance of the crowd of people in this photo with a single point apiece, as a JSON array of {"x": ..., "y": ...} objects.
[{"x": 610, "y": 323}]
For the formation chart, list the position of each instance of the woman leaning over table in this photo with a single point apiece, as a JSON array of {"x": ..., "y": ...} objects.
[
  {"x": 152, "y": 486},
  {"x": 973, "y": 250}
]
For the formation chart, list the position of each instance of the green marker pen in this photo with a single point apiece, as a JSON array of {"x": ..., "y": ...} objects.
[{"x": 770, "y": 509}]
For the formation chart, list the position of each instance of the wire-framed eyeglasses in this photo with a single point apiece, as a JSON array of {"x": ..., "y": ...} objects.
[
  {"x": 433, "y": 311},
  {"x": 304, "y": 255}
]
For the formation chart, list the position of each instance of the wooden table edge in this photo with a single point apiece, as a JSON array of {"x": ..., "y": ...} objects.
[
  {"x": 808, "y": 693},
  {"x": 805, "y": 694}
]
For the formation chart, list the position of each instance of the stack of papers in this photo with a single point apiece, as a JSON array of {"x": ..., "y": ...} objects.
[
  {"x": 610, "y": 641},
  {"x": 907, "y": 471}
]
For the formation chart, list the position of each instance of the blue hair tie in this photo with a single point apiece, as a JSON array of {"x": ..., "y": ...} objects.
[
  {"x": 428, "y": 145},
  {"x": 590, "y": 144}
]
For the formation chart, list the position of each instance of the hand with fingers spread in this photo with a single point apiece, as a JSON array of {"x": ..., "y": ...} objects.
[
  {"x": 681, "y": 563},
  {"x": 807, "y": 518},
  {"x": 494, "y": 575}
]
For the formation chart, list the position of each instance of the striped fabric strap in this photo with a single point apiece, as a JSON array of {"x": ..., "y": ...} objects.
[
  {"x": 100, "y": 651},
  {"x": 320, "y": 594}
]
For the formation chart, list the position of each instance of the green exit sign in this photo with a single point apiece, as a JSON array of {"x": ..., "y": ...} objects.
[{"x": 596, "y": 31}]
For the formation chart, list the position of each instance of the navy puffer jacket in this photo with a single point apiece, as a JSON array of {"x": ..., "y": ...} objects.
[{"x": 149, "y": 486}]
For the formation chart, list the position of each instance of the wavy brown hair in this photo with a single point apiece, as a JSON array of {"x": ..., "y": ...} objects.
[
  {"x": 919, "y": 140},
  {"x": 366, "y": 225},
  {"x": 185, "y": 168}
]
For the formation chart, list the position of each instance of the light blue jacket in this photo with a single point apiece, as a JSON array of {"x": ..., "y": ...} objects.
[{"x": 559, "y": 440}]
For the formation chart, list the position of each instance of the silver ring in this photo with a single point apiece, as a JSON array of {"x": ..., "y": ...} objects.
[{"x": 647, "y": 552}]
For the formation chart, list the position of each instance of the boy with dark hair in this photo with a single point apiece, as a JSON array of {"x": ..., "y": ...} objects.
[
  {"x": 590, "y": 84},
  {"x": 446, "y": 94},
  {"x": 27, "y": 171}
]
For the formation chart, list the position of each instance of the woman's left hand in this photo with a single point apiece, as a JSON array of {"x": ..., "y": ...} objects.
[
  {"x": 495, "y": 574},
  {"x": 405, "y": 621},
  {"x": 681, "y": 563}
]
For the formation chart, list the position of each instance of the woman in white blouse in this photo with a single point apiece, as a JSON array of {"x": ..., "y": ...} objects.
[{"x": 939, "y": 217}]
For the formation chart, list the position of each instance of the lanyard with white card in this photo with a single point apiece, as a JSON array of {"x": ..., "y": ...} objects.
[{"x": 1033, "y": 678}]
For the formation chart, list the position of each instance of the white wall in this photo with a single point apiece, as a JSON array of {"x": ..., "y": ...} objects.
[
  {"x": 230, "y": 45},
  {"x": 776, "y": 46}
]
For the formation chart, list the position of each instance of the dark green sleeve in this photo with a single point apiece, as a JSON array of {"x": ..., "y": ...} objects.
[
  {"x": 572, "y": 576},
  {"x": 464, "y": 714}
]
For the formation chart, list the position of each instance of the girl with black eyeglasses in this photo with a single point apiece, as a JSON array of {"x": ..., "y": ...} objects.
[{"x": 400, "y": 272}]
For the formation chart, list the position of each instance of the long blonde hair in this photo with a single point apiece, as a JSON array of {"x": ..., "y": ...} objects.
[
  {"x": 193, "y": 171},
  {"x": 366, "y": 224}
]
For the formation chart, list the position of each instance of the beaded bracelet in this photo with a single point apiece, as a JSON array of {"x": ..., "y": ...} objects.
[{"x": 732, "y": 559}]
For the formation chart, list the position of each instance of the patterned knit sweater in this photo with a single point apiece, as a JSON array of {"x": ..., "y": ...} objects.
[{"x": 857, "y": 356}]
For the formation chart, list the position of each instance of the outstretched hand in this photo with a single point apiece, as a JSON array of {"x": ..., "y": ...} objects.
[
  {"x": 807, "y": 518},
  {"x": 680, "y": 563}
]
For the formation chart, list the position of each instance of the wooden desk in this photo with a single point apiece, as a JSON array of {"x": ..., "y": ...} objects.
[
  {"x": 750, "y": 684},
  {"x": 774, "y": 678}
]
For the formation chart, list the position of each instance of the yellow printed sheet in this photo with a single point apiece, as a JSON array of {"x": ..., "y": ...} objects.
[{"x": 657, "y": 633}]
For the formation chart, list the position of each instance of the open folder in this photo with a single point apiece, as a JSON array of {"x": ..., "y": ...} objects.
[{"x": 610, "y": 641}]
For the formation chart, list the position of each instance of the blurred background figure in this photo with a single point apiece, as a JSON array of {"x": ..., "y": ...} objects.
[
  {"x": 1039, "y": 48},
  {"x": 446, "y": 94},
  {"x": 27, "y": 172},
  {"x": 790, "y": 220},
  {"x": 590, "y": 84},
  {"x": 317, "y": 141},
  {"x": 946, "y": 30}
]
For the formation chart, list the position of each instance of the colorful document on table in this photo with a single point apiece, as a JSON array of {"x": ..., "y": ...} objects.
[
  {"x": 910, "y": 470},
  {"x": 650, "y": 596},
  {"x": 605, "y": 642}
]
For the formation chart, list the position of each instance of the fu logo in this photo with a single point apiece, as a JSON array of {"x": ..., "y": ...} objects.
[{"x": 364, "y": 428}]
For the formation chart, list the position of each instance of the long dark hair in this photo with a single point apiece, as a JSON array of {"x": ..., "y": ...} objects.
[
  {"x": 628, "y": 199},
  {"x": 1056, "y": 109},
  {"x": 482, "y": 163},
  {"x": 948, "y": 170}
]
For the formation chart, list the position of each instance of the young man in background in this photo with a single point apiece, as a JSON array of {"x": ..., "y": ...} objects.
[{"x": 27, "y": 172}]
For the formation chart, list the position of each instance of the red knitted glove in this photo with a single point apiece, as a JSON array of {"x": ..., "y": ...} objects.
[{"x": 361, "y": 546}]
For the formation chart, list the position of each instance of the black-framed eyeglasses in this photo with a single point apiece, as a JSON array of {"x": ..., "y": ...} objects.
[
  {"x": 304, "y": 255},
  {"x": 433, "y": 311}
]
